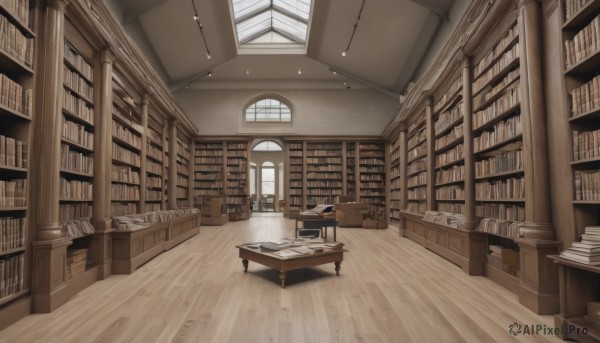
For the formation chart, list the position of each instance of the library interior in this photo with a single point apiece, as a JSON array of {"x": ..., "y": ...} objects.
[{"x": 299, "y": 170}]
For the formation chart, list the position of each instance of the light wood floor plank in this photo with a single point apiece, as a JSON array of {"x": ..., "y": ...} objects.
[{"x": 390, "y": 289}]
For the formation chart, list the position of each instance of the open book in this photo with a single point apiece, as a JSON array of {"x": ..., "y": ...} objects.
[{"x": 319, "y": 209}]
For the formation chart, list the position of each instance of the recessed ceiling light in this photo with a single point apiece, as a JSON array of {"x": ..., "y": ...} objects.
[{"x": 299, "y": 70}]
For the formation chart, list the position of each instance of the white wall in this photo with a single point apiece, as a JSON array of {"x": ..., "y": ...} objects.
[{"x": 314, "y": 111}]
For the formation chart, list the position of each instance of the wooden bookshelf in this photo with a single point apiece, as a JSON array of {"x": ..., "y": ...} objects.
[
  {"x": 372, "y": 175},
  {"x": 237, "y": 165},
  {"x": 16, "y": 115},
  {"x": 154, "y": 164},
  {"x": 183, "y": 167},
  {"x": 351, "y": 168},
  {"x": 395, "y": 185},
  {"x": 208, "y": 172},
  {"x": 324, "y": 168},
  {"x": 295, "y": 174},
  {"x": 417, "y": 165}
]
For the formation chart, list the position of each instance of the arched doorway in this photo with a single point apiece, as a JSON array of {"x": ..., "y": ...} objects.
[{"x": 267, "y": 175}]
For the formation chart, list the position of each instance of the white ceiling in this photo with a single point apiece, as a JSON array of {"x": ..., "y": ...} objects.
[{"x": 390, "y": 41}]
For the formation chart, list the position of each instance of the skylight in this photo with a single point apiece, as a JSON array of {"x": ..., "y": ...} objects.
[{"x": 256, "y": 18}]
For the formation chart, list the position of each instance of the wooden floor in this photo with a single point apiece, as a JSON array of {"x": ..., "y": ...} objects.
[{"x": 390, "y": 289}]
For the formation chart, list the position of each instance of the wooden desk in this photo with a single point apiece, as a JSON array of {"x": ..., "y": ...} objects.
[
  {"x": 283, "y": 265},
  {"x": 317, "y": 222}
]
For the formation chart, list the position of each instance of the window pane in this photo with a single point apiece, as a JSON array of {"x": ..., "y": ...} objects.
[
  {"x": 289, "y": 26},
  {"x": 300, "y": 8},
  {"x": 268, "y": 188},
  {"x": 244, "y": 7},
  {"x": 254, "y": 25},
  {"x": 268, "y": 110},
  {"x": 252, "y": 180}
]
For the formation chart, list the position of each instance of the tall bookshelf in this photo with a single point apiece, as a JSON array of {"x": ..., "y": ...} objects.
[
  {"x": 579, "y": 36},
  {"x": 351, "y": 170},
  {"x": 16, "y": 114},
  {"x": 154, "y": 165},
  {"x": 324, "y": 168},
  {"x": 237, "y": 165},
  {"x": 372, "y": 175},
  {"x": 295, "y": 172},
  {"x": 449, "y": 150},
  {"x": 126, "y": 149},
  {"x": 497, "y": 147},
  {"x": 395, "y": 185},
  {"x": 416, "y": 171},
  {"x": 183, "y": 160},
  {"x": 208, "y": 169}
]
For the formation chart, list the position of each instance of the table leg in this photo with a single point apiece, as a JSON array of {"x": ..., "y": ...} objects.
[
  {"x": 282, "y": 279},
  {"x": 338, "y": 267},
  {"x": 334, "y": 232},
  {"x": 245, "y": 264}
]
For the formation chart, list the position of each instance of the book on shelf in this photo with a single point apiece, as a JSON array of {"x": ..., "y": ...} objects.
[
  {"x": 584, "y": 44},
  {"x": 572, "y": 7},
  {"x": 77, "y": 228},
  {"x": 14, "y": 96},
  {"x": 587, "y": 185},
  {"x": 13, "y": 193},
  {"x": 13, "y": 152},
  {"x": 15, "y": 43},
  {"x": 447, "y": 219},
  {"x": 11, "y": 274},
  {"x": 12, "y": 233}
]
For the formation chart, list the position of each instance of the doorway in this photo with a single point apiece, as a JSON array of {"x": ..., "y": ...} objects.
[{"x": 267, "y": 175}]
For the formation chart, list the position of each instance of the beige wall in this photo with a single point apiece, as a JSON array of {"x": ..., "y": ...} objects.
[{"x": 315, "y": 111}]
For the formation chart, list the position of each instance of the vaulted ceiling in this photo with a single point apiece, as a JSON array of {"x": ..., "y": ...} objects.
[{"x": 389, "y": 44}]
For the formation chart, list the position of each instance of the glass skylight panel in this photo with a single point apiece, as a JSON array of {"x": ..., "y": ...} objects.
[
  {"x": 289, "y": 26},
  {"x": 245, "y": 7},
  {"x": 254, "y": 25},
  {"x": 301, "y": 8}
]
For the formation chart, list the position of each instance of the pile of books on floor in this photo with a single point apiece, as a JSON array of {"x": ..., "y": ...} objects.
[
  {"x": 588, "y": 250},
  {"x": 444, "y": 218},
  {"x": 76, "y": 261}
]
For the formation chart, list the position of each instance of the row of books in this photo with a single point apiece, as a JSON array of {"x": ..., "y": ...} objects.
[
  {"x": 510, "y": 99},
  {"x": 12, "y": 233},
  {"x": 500, "y": 227},
  {"x": 209, "y": 146},
  {"x": 450, "y": 156},
  {"x": 237, "y": 153},
  {"x": 236, "y": 192},
  {"x": 78, "y": 107},
  {"x": 295, "y": 184},
  {"x": 324, "y": 146},
  {"x": 324, "y": 183},
  {"x": 295, "y": 153},
  {"x": 395, "y": 184},
  {"x": 417, "y": 179},
  {"x": 417, "y": 124},
  {"x": 208, "y": 176},
  {"x": 491, "y": 92},
  {"x": 235, "y": 161},
  {"x": 238, "y": 146},
  {"x": 395, "y": 173},
  {"x": 416, "y": 152},
  {"x": 182, "y": 181},
  {"x": 372, "y": 169},
  {"x": 445, "y": 218},
  {"x": 585, "y": 43},
  {"x": 76, "y": 133},
  {"x": 372, "y": 153},
  {"x": 11, "y": 274},
  {"x": 395, "y": 156},
  {"x": 453, "y": 135},
  {"x": 78, "y": 62},
  {"x": 448, "y": 118},
  {"x": 295, "y": 146},
  {"x": 154, "y": 152},
  {"x": 373, "y": 161},
  {"x": 586, "y": 97},
  {"x": 75, "y": 189},
  {"x": 125, "y": 192},
  {"x": 501, "y": 211},
  {"x": 417, "y": 193},
  {"x": 74, "y": 211},
  {"x": 500, "y": 132},
  {"x": 323, "y": 160},
  {"x": 183, "y": 151},
  {"x": 182, "y": 204},
  {"x": 453, "y": 89},
  {"x": 15, "y": 43},
  {"x": 450, "y": 193},
  {"x": 504, "y": 162},
  {"x": 215, "y": 167},
  {"x": 182, "y": 192},
  {"x": 513, "y": 188},
  {"x": 152, "y": 167},
  {"x": 209, "y": 184},
  {"x": 152, "y": 207},
  {"x": 208, "y": 191},
  {"x": 417, "y": 166},
  {"x": 13, "y": 193},
  {"x": 153, "y": 182},
  {"x": 332, "y": 191},
  {"x": 573, "y": 7},
  {"x": 372, "y": 185},
  {"x": 125, "y": 174},
  {"x": 318, "y": 200},
  {"x": 324, "y": 153},
  {"x": 587, "y": 185},
  {"x": 323, "y": 176},
  {"x": 500, "y": 66},
  {"x": 452, "y": 207},
  {"x": 77, "y": 228},
  {"x": 127, "y": 135},
  {"x": 13, "y": 153},
  {"x": 498, "y": 49},
  {"x": 323, "y": 168},
  {"x": 586, "y": 144},
  {"x": 125, "y": 155},
  {"x": 587, "y": 251},
  {"x": 154, "y": 136},
  {"x": 372, "y": 177},
  {"x": 14, "y": 96},
  {"x": 153, "y": 195},
  {"x": 418, "y": 138},
  {"x": 416, "y": 207},
  {"x": 454, "y": 173},
  {"x": 77, "y": 83},
  {"x": 74, "y": 161},
  {"x": 18, "y": 8},
  {"x": 120, "y": 209},
  {"x": 296, "y": 201}
]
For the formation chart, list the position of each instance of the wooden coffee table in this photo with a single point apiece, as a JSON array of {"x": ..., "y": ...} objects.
[{"x": 283, "y": 265}]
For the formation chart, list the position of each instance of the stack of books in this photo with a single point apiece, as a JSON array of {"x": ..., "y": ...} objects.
[{"x": 588, "y": 250}]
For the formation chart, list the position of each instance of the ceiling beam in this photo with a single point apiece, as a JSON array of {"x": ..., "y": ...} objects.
[
  {"x": 366, "y": 83},
  {"x": 138, "y": 8}
]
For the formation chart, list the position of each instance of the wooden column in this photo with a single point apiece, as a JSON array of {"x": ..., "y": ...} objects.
[
  {"x": 430, "y": 153},
  {"x": 100, "y": 249},
  {"x": 50, "y": 250},
  {"x": 143, "y": 153},
  {"x": 191, "y": 174},
  {"x": 344, "y": 168},
  {"x": 403, "y": 176},
  {"x": 467, "y": 107},
  {"x": 538, "y": 284},
  {"x": 163, "y": 198},
  {"x": 533, "y": 117},
  {"x": 172, "y": 184}
]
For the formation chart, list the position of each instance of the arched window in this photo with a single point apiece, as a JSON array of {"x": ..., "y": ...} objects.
[
  {"x": 267, "y": 178},
  {"x": 267, "y": 146},
  {"x": 268, "y": 110}
]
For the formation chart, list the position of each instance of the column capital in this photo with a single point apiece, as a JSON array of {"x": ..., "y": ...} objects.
[
  {"x": 402, "y": 127},
  {"x": 107, "y": 56},
  {"x": 466, "y": 61},
  {"x": 428, "y": 99},
  {"x": 59, "y": 5},
  {"x": 146, "y": 99},
  {"x": 172, "y": 121}
]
